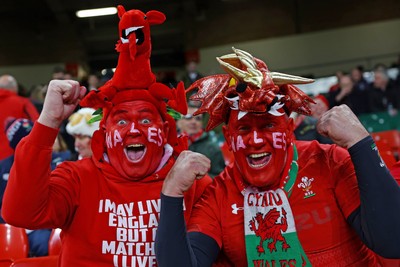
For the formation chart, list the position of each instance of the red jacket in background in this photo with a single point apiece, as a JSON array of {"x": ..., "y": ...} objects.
[{"x": 15, "y": 106}]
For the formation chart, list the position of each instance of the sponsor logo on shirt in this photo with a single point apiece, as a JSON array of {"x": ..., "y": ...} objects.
[{"x": 306, "y": 185}]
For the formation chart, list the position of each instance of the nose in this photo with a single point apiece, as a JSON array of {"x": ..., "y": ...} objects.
[
  {"x": 133, "y": 131},
  {"x": 257, "y": 140}
]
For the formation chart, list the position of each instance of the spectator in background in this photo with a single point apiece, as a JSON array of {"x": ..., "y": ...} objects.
[
  {"x": 346, "y": 94},
  {"x": 336, "y": 86},
  {"x": 320, "y": 107},
  {"x": 191, "y": 75},
  {"x": 93, "y": 81},
  {"x": 306, "y": 126},
  {"x": 12, "y": 105},
  {"x": 200, "y": 140},
  {"x": 17, "y": 129},
  {"x": 383, "y": 94},
  {"x": 341, "y": 95},
  {"x": 60, "y": 152},
  {"x": 36, "y": 95},
  {"x": 360, "y": 84},
  {"x": 68, "y": 76},
  {"x": 58, "y": 73},
  {"x": 79, "y": 127}
]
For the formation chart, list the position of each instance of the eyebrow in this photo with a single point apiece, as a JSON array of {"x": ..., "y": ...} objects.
[
  {"x": 145, "y": 110},
  {"x": 117, "y": 112}
]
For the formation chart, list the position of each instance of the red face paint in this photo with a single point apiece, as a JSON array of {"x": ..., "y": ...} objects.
[
  {"x": 259, "y": 143},
  {"x": 135, "y": 138}
]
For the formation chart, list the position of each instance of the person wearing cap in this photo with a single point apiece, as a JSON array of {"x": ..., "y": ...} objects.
[
  {"x": 79, "y": 127},
  {"x": 283, "y": 202},
  {"x": 12, "y": 105},
  {"x": 16, "y": 129},
  {"x": 107, "y": 205}
]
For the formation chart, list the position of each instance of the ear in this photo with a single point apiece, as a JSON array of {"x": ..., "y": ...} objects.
[
  {"x": 179, "y": 123},
  {"x": 166, "y": 132},
  {"x": 290, "y": 130},
  {"x": 155, "y": 17},
  {"x": 227, "y": 136},
  {"x": 121, "y": 11}
]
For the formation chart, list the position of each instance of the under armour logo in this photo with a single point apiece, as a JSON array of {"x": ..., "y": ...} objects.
[
  {"x": 5, "y": 176},
  {"x": 235, "y": 208}
]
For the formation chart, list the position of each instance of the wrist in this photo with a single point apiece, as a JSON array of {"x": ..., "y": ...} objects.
[
  {"x": 48, "y": 121},
  {"x": 171, "y": 190}
]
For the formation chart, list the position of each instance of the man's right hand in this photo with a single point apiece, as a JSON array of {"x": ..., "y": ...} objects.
[
  {"x": 188, "y": 167},
  {"x": 62, "y": 97}
]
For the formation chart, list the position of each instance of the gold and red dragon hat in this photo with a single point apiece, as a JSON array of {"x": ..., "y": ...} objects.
[{"x": 248, "y": 87}]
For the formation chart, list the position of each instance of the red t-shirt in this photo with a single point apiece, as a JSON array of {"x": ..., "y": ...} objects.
[
  {"x": 106, "y": 220},
  {"x": 320, "y": 213}
]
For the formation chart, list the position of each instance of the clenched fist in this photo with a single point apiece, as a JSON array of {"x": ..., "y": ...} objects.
[
  {"x": 62, "y": 97},
  {"x": 342, "y": 126},
  {"x": 188, "y": 167}
]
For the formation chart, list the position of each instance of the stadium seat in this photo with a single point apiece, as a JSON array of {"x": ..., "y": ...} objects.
[
  {"x": 5, "y": 262},
  {"x": 388, "y": 140},
  {"x": 379, "y": 121},
  {"x": 388, "y": 262},
  {"x": 47, "y": 261},
  {"x": 55, "y": 242},
  {"x": 13, "y": 242}
]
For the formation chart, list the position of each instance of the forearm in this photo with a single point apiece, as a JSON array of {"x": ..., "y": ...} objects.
[
  {"x": 173, "y": 247},
  {"x": 27, "y": 190},
  {"x": 377, "y": 220}
]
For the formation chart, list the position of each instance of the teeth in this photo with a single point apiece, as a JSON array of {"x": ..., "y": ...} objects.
[
  {"x": 257, "y": 165},
  {"x": 127, "y": 32},
  {"x": 258, "y": 155},
  {"x": 135, "y": 145},
  {"x": 131, "y": 29}
]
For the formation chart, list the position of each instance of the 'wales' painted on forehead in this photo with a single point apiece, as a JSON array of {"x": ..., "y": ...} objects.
[
  {"x": 153, "y": 136},
  {"x": 278, "y": 141}
]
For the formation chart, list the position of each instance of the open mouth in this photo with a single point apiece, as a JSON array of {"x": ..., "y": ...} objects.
[
  {"x": 135, "y": 152},
  {"x": 138, "y": 32},
  {"x": 258, "y": 161}
]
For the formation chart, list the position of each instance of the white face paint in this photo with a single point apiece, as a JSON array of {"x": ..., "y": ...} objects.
[
  {"x": 256, "y": 139},
  {"x": 154, "y": 136},
  {"x": 239, "y": 144},
  {"x": 117, "y": 138},
  {"x": 133, "y": 129},
  {"x": 279, "y": 140}
]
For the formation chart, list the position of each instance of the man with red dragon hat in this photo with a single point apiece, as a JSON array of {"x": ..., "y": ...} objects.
[
  {"x": 107, "y": 205},
  {"x": 283, "y": 202}
]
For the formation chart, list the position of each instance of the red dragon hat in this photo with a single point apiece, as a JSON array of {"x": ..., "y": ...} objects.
[
  {"x": 133, "y": 78},
  {"x": 249, "y": 87}
]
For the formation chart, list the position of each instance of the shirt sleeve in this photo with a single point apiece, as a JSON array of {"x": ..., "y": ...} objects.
[
  {"x": 35, "y": 197},
  {"x": 173, "y": 246},
  {"x": 345, "y": 181},
  {"x": 206, "y": 215},
  {"x": 377, "y": 219}
]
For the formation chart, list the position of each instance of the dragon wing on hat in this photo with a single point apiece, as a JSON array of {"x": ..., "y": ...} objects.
[{"x": 249, "y": 87}]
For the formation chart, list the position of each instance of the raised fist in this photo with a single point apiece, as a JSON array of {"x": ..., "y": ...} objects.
[
  {"x": 62, "y": 97},
  {"x": 188, "y": 167}
]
